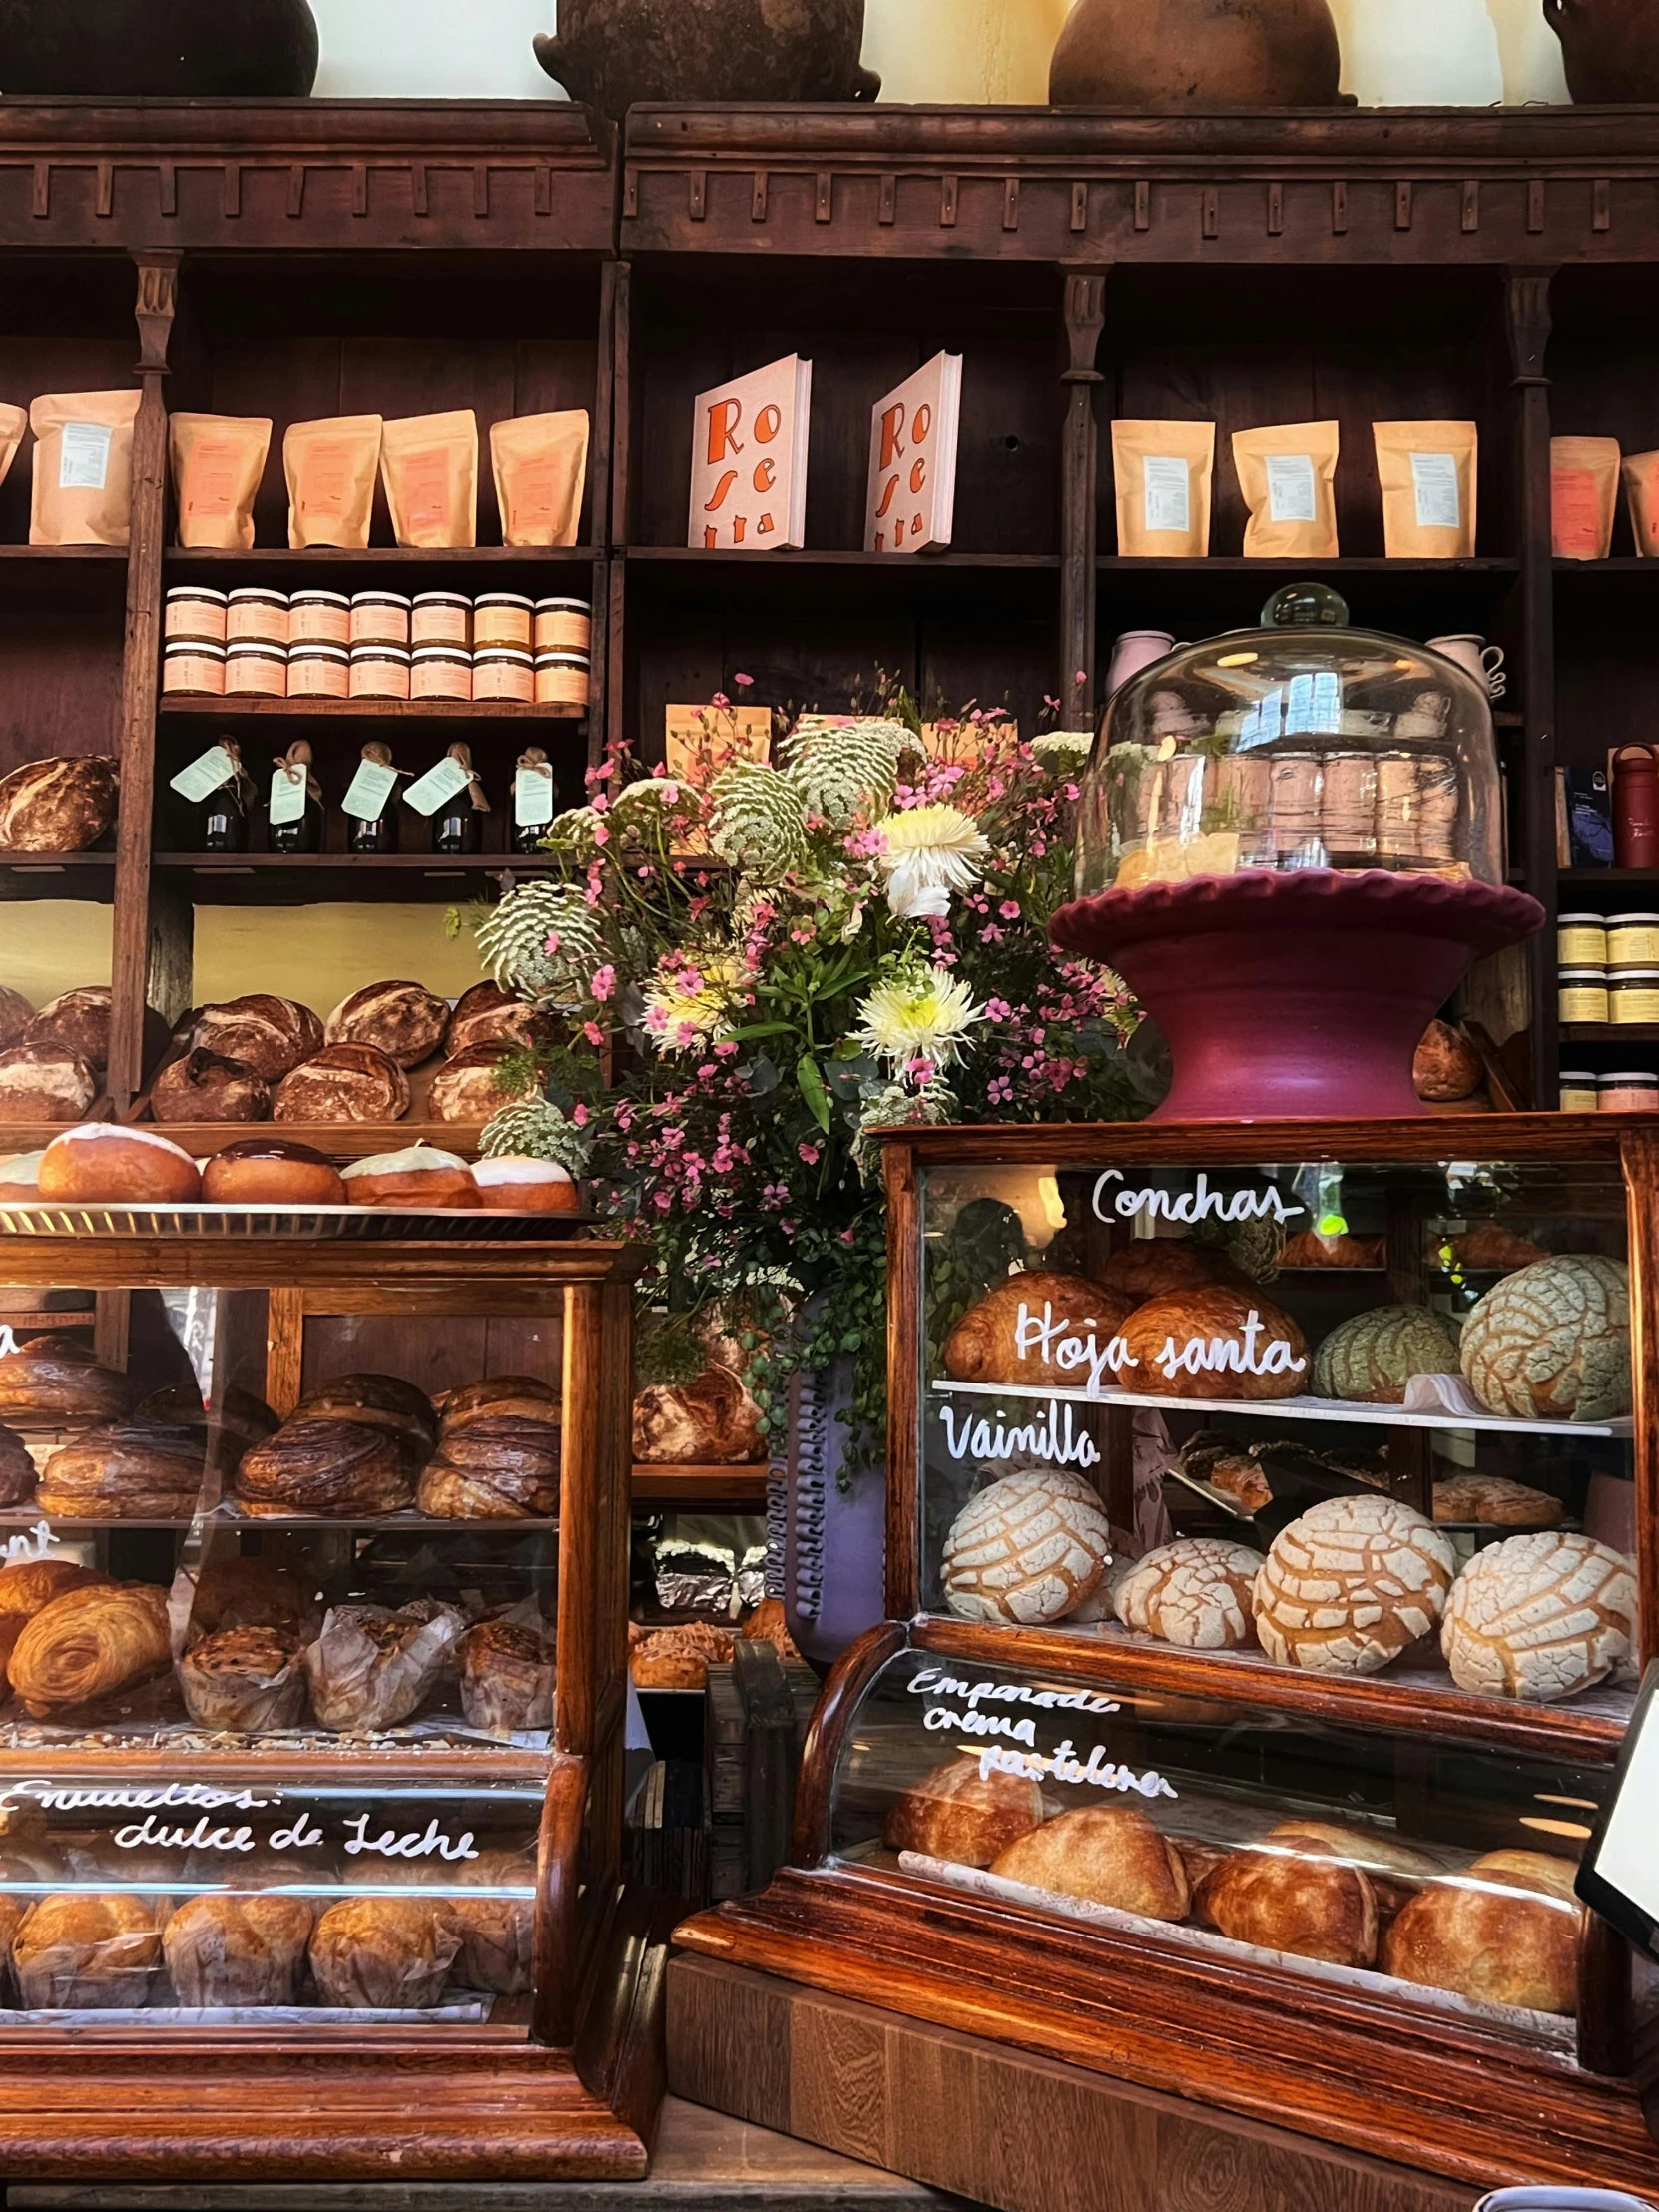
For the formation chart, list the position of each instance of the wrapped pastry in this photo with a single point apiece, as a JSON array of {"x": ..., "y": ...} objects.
[
  {"x": 226, "y": 1949},
  {"x": 83, "y": 1951},
  {"x": 251, "y": 1680},
  {"x": 501, "y": 1396},
  {"x": 89, "y": 1645},
  {"x": 17, "y": 1470},
  {"x": 128, "y": 1470},
  {"x": 956, "y": 1813},
  {"x": 370, "y": 1668},
  {"x": 30, "y": 1585},
  {"x": 497, "y": 1932},
  {"x": 49, "y": 1381},
  {"x": 493, "y": 1469},
  {"x": 393, "y": 1953},
  {"x": 376, "y": 1401},
  {"x": 338, "y": 1470},
  {"x": 507, "y": 1678},
  {"x": 238, "y": 1593}
]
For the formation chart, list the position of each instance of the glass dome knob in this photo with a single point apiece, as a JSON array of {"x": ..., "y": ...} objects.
[{"x": 1306, "y": 607}]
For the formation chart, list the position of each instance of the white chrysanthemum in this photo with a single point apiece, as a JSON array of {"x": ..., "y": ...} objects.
[
  {"x": 757, "y": 822},
  {"x": 929, "y": 853},
  {"x": 924, "y": 1015},
  {"x": 536, "y": 1130},
  {"x": 544, "y": 941},
  {"x": 691, "y": 1003}
]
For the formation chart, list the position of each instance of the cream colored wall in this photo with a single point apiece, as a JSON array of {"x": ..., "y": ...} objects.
[
  {"x": 322, "y": 954},
  {"x": 976, "y": 51},
  {"x": 53, "y": 945}
]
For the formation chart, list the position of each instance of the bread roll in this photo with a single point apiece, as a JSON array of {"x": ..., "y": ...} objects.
[
  {"x": 992, "y": 1343},
  {"x": 419, "y": 1179},
  {"x": 955, "y": 1813},
  {"x": 370, "y": 1668},
  {"x": 90, "y": 1644},
  {"x": 81, "y": 1951},
  {"x": 488, "y": 1014},
  {"x": 17, "y": 1470},
  {"x": 679, "y": 1658},
  {"x": 517, "y": 1185},
  {"x": 1311, "y": 1249},
  {"x": 62, "y": 806},
  {"x": 204, "y": 1086},
  {"x": 1285, "y": 1897},
  {"x": 1031, "y": 1549},
  {"x": 497, "y": 1932},
  {"x": 376, "y": 1402},
  {"x": 1395, "y": 1871},
  {"x": 501, "y": 1396},
  {"x": 1493, "y": 1501},
  {"x": 1214, "y": 1343},
  {"x": 1553, "y": 1341},
  {"x": 78, "y": 1022},
  {"x": 343, "y": 1083},
  {"x": 1350, "y": 1585},
  {"x": 250, "y": 1680},
  {"x": 1153, "y": 1267},
  {"x": 28, "y": 1586},
  {"x": 101, "y": 1164},
  {"x": 270, "y": 1036},
  {"x": 390, "y": 1954},
  {"x": 406, "y": 1021},
  {"x": 15, "y": 1015},
  {"x": 709, "y": 1422},
  {"x": 507, "y": 1678},
  {"x": 1370, "y": 1357},
  {"x": 49, "y": 1381},
  {"x": 1195, "y": 1592},
  {"x": 270, "y": 1171},
  {"x": 1542, "y": 1618},
  {"x": 1507, "y": 1933},
  {"x": 44, "y": 1082},
  {"x": 469, "y": 1087},
  {"x": 229, "y": 1950},
  {"x": 126, "y": 1470},
  {"x": 493, "y": 1468},
  {"x": 331, "y": 1468},
  {"x": 20, "y": 1182},
  {"x": 1111, "y": 1854}
]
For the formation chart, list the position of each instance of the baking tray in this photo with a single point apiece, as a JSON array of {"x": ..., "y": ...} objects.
[{"x": 357, "y": 1223}]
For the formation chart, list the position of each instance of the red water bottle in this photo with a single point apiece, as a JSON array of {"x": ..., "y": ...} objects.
[{"x": 1636, "y": 806}]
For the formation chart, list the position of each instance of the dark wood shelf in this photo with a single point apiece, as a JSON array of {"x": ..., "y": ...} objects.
[
  {"x": 1611, "y": 879},
  {"x": 1609, "y": 1032},
  {"x": 1360, "y": 564},
  {"x": 810, "y": 557},
  {"x": 301, "y": 558},
  {"x": 108, "y": 555},
  {"x": 308, "y": 878},
  {"x": 369, "y": 709},
  {"x": 1620, "y": 564},
  {"x": 744, "y": 1486},
  {"x": 88, "y": 876}
]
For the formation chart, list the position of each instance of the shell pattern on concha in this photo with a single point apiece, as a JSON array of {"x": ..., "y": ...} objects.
[
  {"x": 1195, "y": 1593},
  {"x": 1541, "y": 1617},
  {"x": 1553, "y": 1341},
  {"x": 1349, "y": 1586},
  {"x": 1028, "y": 1550}
]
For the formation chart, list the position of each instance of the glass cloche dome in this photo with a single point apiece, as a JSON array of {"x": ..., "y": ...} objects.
[{"x": 1301, "y": 745}]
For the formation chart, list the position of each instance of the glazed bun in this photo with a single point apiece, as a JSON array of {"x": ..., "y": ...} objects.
[
  {"x": 45, "y": 1082},
  {"x": 346, "y": 1082},
  {"x": 271, "y": 1036},
  {"x": 488, "y": 1014},
  {"x": 205, "y": 1087},
  {"x": 406, "y": 1021},
  {"x": 468, "y": 1088},
  {"x": 102, "y": 1164},
  {"x": 516, "y": 1186},
  {"x": 20, "y": 1178},
  {"x": 421, "y": 1179},
  {"x": 270, "y": 1171},
  {"x": 16, "y": 1014},
  {"x": 80, "y": 1022}
]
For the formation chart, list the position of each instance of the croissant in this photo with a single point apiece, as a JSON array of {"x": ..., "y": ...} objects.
[
  {"x": 30, "y": 1584},
  {"x": 12, "y": 1626},
  {"x": 90, "y": 1644},
  {"x": 79, "y": 1951},
  {"x": 507, "y": 1678},
  {"x": 496, "y": 1933},
  {"x": 249, "y": 1679},
  {"x": 493, "y": 1469},
  {"x": 393, "y": 1953},
  {"x": 225, "y": 1950},
  {"x": 17, "y": 1470}
]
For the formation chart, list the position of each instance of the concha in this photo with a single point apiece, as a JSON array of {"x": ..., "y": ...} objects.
[
  {"x": 1373, "y": 1356},
  {"x": 1553, "y": 1341},
  {"x": 1195, "y": 1593},
  {"x": 1541, "y": 1617},
  {"x": 1031, "y": 1549},
  {"x": 1350, "y": 1585}
]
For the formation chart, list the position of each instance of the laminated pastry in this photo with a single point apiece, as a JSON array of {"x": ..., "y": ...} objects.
[
  {"x": 1037, "y": 1329},
  {"x": 370, "y": 1668},
  {"x": 251, "y": 1680},
  {"x": 78, "y": 1022},
  {"x": 1311, "y": 1249},
  {"x": 20, "y": 1184},
  {"x": 471, "y": 1087},
  {"x": 1031, "y": 1549},
  {"x": 955, "y": 1813},
  {"x": 1195, "y": 1592},
  {"x": 679, "y": 1658},
  {"x": 406, "y": 1021},
  {"x": 495, "y": 1469},
  {"x": 101, "y": 1164},
  {"x": 501, "y": 1397},
  {"x": 1286, "y": 1897},
  {"x": 241, "y": 1593},
  {"x": 1541, "y": 1618},
  {"x": 1495, "y": 1501},
  {"x": 28, "y": 1586},
  {"x": 376, "y": 1402},
  {"x": 17, "y": 1470},
  {"x": 328, "y": 1467},
  {"x": 127, "y": 1471},
  {"x": 768, "y": 1624},
  {"x": 81, "y": 1951},
  {"x": 1237, "y": 1476},
  {"x": 239, "y": 1420},
  {"x": 270, "y": 1171},
  {"x": 44, "y": 1082},
  {"x": 1216, "y": 1343},
  {"x": 390, "y": 1952},
  {"x": 1553, "y": 1341},
  {"x": 204, "y": 1086},
  {"x": 1491, "y": 1250},
  {"x": 488, "y": 1014},
  {"x": 507, "y": 1678},
  {"x": 497, "y": 1932},
  {"x": 419, "y": 1179},
  {"x": 514, "y": 1185},
  {"x": 1153, "y": 1267},
  {"x": 1395, "y": 1871},
  {"x": 344, "y": 1082},
  {"x": 58, "y": 805},
  {"x": 15, "y": 1015},
  {"x": 1372, "y": 1356},
  {"x": 90, "y": 1644},
  {"x": 1111, "y": 1854},
  {"x": 709, "y": 1422},
  {"x": 225, "y": 1948},
  {"x": 49, "y": 1382},
  {"x": 1508, "y": 1934},
  {"x": 12, "y": 1626},
  {"x": 268, "y": 1036},
  {"x": 1350, "y": 1585}
]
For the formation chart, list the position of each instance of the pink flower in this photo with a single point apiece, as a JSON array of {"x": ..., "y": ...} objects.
[
  {"x": 809, "y": 1153},
  {"x": 744, "y": 683},
  {"x": 721, "y": 702},
  {"x": 1081, "y": 676},
  {"x": 1009, "y": 910},
  {"x": 603, "y": 985},
  {"x": 579, "y": 1115}
]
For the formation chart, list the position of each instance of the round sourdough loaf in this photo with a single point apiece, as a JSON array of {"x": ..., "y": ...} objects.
[
  {"x": 44, "y": 1082},
  {"x": 1349, "y": 1586},
  {"x": 79, "y": 1019},
  {"x": 403, "y": 1020},
  {"x": 1372, "y": 1356},
  {"x": 57, "y": 805},
  {"x": 488, "y": 1014},
  {"x": 205, "y": 1087},
  {"x": 468, "y": 1086},
  {"x": 1553, "y": 1341},
  {"x": 1541, "y": 1617},
  {"x": 1195, "y": 1592},
  {"x": 269, "y": 1035},
  {"x": 1030, "y": 1549},
  {"x": 15, "y": 1015},
  {"x": 344, "y": 1082}
]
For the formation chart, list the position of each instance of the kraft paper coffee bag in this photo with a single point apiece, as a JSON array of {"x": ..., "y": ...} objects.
[
  {"x": 1583, "y": 498},
  {"x": 1287, "y": 475},
  {"x": 83, "y": 487},
  {"x": 218, "y": 461},
  {"x": 13, "y": 422},
  {"x": 1428, "y": 474},
  {"x": 1641, "y": 491},
  {"x": 1164, "y": 473},
  {"x": 430, "y": 464},
  {"x": 331, "y": 468},
  {"x": 541, "y": 468}
]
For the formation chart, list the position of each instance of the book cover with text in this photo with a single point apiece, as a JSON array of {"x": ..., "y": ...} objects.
[
  {"x": 749, "y": 460},
  {"x": 912, "y": 461}
]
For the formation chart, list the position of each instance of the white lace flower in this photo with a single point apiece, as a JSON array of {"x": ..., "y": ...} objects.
[
  {"x": 1063, "y": 748},
  {"x": 924, "y": 1015},
  {"x": 927, "y": 854}
]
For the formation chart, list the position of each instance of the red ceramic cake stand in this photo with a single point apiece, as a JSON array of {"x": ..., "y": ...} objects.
[{"x": 1300, "y": 996}]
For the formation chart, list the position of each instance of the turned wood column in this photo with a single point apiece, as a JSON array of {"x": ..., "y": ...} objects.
[
  {"x": 1532, "y": 838},
  {"x": 1080, "y": 461}
]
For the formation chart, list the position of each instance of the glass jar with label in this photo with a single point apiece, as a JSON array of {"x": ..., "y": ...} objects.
[
  {"x": 1580, "y": 1091},
  {"x": 380, "y": 618},
  {"x": 320, "y": 672},
  {"x": 503, "y": 672},
  {"x": 563, "y": 680},
  {"x": 1581, "y": 940},
  {"x": 257, "y": 668},
  {"x": 257, "y": 615},
  {"x": 1633, "y": 941},
  {"x": 1633, "y": 996},
  {"x": 441, "y": 618},
  {"x": 564, "y": 625},
  {"x": 320, "y": 618},
  {"x": 193, "y": 666},
  {"x": 441, "y": 671},
  {"x": 193, "y": 611},
  {"x": 1582, "y": 995},
  {"x": 380, "y": 671},
  {"x": 503, "y": 619},
  {"x": 1631, "y": 1091}
]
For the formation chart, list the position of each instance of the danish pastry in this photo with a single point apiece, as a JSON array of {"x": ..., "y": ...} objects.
[{"x": 89, "y": 1645}]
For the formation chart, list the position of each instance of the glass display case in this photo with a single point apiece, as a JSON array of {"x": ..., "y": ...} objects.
[{"x": 312, "y": 1608}]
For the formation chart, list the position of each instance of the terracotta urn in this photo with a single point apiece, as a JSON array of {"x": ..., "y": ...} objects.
[
  {"x": 1164, "y": 54},
  {"x": 615, "y": 52},
  {"x": 1610, "y": 48},
  {"x": 158, "y": 49}
]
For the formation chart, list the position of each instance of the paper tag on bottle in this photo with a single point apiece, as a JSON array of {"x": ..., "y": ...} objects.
[
  {"x": 288, "y": 795},
  {"x": 84, "y": 456},
  {"x": 368, "y": 791},
  {"x": 1434, "y": 480},
  {"x": 1290, "y": 494},
  {"x": 1169, "y": 499},
  {"x": 429, "y": 793},
  {"x": 533, "y": 797},
  {"x": 209, "y": 773}
]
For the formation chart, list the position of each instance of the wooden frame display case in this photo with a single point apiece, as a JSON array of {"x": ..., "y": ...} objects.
[
  {"x": 1033, "y": 1803},
  {"x": 386, "y": 1924}
]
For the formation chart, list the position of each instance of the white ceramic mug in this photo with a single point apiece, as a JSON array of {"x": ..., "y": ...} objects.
[
  {"x": 1484, "y": 660},
  {"x": 1135, "y": 650}
]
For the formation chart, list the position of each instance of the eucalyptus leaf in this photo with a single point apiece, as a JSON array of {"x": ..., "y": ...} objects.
[{"x": 807, "y": 1075}]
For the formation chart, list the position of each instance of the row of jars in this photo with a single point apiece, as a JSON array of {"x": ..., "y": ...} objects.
[
  {"x": 1305, "y": 809},
  {"x": 1610, "y": 942},
  {"x": 1628, "y": 1092}
]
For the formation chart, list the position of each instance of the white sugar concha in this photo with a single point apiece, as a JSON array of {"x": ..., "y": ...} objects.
[
  {"x": 1542, "y": 1617},
  {"x": 1030, "y": 1549},
  {"x": 1351, "y": 1584},
  {"x": 1552, "y": 1341},
  {"x": 1195, "y": 1593}
]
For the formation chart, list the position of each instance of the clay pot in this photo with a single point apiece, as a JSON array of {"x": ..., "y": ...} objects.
[
  {"x": 1610, "y": 48},
  {"x": 130, "y": 49},
  {"x": 615, "y": 52},
  {"x": 1164, "y": 55}
]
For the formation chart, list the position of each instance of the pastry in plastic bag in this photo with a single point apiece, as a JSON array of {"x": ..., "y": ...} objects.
[
  {"x": 507, "y": 1677},
  {"x": 393, "y": 1953},
  {"x": 370, "y": 1668},
  {"x": 497, "y": 1932},
  {"x": 249, "y": 1679},
  {"x": 226, "y": 1949},
  {"x": 80, "y": 1950}
]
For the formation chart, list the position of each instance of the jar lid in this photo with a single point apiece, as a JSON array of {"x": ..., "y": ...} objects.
[
  {"x": 564, "y": 606},
  {"x": 1583, "y": 1075},
  {"x": 380, "y": 599},
  {"x": 441, "y": 599},
  {"x": 490, "y": 654},
  {"x": 455, "y": 653},
  {"x": 1633, "y": 921},
  {"x": 321, "y": 599},
  {"x": 563, "y": 657},
  {"x": 257, "y": 648},
  {"x": 1644, "y": 1078},
  {"x": 199, "y": 591},
  {"x": 379, "y": 653},
  {"x": 505, "y": 599},
  {"x": 264, "y": 595},
  {"x": 1622, "y": 976},
  {"x": 179, "y": 648},
  {"x": 317, "y": 649},
  {"x": 1581, "y": 922}
]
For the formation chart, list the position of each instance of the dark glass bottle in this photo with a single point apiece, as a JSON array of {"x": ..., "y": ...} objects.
[
  {"x": 527, "y": 835},
  {"x": 224, "y": 812},
  {"x": 457, "y": 829},
  {"x": 380, "y": 835},
  {"x": 304, "y": 834}
]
